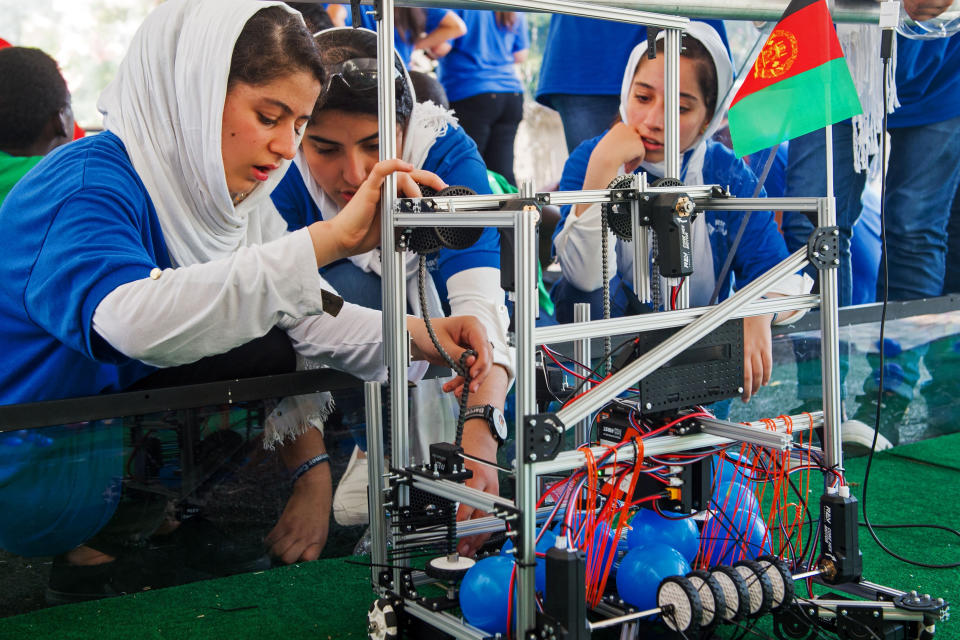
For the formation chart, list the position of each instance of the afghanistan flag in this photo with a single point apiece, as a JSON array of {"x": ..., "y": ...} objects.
[{"x": 799, "y": 82}]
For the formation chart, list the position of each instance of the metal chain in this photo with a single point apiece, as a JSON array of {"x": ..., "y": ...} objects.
[
  {"x": 605, "y": 276},
  {"x": 459, "y": 368}
]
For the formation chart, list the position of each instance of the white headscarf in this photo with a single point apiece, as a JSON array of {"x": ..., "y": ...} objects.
[
  {"x": 692, "y": 168},
  {"x": 166, "y": 105},
  {"x": 427, "y": 123},
  {"x": 702, "y": 281}
]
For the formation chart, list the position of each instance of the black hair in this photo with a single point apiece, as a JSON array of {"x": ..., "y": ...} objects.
[
  {"x": 410, "y": 23},
  {"x": 32, "y": 91},
  {"x": 506, "y": 19},
  {"x": 705, "y": 66},
  {"x": 339, "y": 45},
  {"x": 273, "y": 43},
  {"x": 314, "y": 15},
  {"x": 429, "y": 88}
]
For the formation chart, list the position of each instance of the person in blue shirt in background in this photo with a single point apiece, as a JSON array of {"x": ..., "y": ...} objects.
[
  {"x": 339, "y": 149},
  {"x": 414, "y": 28},
  {"x": 635, "y": 144},
  {"x": 582, "y": 68},
  {"x": 923, "y": 175},
  {"x": 482, "y": 85}
]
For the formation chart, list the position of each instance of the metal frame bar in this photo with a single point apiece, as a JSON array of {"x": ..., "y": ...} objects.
[
  {"x": 582, "y": 354},
  {"x": 456, "y": 627},
  {"x": 744, "y": 433},
  {"x": 575, "y": 459},
  {"x": 865, "y": 11},
  {"x": 665, "y": 319},
  {"x": 375, "y": 477}
]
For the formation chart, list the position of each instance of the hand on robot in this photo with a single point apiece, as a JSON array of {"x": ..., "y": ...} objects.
[
  {"x": 356, "y": 229},
  {"x": 925, "y": 9},
  {"x": 478, "y": 442},
  {"x": 456, "y": 334},
  {"x": 757, "y": 354}
]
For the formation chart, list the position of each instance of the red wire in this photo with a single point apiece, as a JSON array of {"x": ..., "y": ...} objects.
[
  {"x": 700, "y": 414},
  {"x": 513, "y": 577},
  {"x": 571, "y": 372}
]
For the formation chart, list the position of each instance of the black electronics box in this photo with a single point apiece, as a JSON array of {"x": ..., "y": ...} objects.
[{"x": 709, "y": 370}]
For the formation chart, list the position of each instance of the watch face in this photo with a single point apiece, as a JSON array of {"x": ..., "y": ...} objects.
[{"x": 499, "y": 423}]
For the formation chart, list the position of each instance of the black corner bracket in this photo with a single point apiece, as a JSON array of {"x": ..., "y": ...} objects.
[{"x": 823, "y": 251}]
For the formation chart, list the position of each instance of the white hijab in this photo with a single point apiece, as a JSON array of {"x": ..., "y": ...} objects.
[
  {"x": 702, "y": 281},
  {"x": 166, "y": 105},
  {"x": 427, "y": 123},
  {"x": 692, "y": 166}
]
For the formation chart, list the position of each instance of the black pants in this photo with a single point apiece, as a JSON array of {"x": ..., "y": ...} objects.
[{"x": 491, "y": 119}]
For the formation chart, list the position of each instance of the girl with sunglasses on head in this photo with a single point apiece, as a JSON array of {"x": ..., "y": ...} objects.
[
  {"x": 635, "y": 143},
  {"x": 338, "y": 153},
  {"x": 144, "y": 251}
]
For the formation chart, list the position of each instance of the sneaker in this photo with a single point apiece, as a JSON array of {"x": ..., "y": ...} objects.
[
  {"x": 350, "y": 498},
  {"x": 857, "y": 438}
]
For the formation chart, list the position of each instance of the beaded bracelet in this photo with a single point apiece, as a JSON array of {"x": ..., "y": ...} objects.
[{"x": 309, "y": 464}]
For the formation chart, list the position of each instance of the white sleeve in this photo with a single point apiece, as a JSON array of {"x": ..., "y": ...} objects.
[
  {"x": 476, "y": 292},
  {"x": 352, "y": 342},
  {"x": 793, "y": 285},
  {"x": 578, "y": 248},
  {"x": 190, "y": 312}
]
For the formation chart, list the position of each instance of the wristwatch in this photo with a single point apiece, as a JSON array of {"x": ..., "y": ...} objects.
[{"x": 494, "y": 418}]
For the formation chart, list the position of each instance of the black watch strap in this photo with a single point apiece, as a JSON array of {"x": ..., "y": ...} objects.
[{"x": 493, "y": 416}]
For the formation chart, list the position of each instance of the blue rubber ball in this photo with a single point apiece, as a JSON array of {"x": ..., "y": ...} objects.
[
  {"x": 732, "y": 496},
  {"x": 483, "y": 594},
  {"x": 548, "y": 541},
  {"x": 734, "y": 467},
  {"x": 603, "y": 541},
  {"x": 680, "y": 533},
  {"x": 730, "y": 538},
  {"x": 642, "y": 570}
]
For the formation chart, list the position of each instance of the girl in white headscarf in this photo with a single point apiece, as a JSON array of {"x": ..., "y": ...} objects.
[
  {"x": 340, "y": 148},
  {"x": 156, "y": 245},
  {"x": 635, "y": 143}
]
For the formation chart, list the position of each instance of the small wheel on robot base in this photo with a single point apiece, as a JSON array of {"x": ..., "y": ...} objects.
[
  {"x": 680, "y": 601},
  {"x": 711, "y": 597},
  {"x": 781, "y": 579},
  {"x": 382, "y": 621},
  {"x": 759, "y": 588}
]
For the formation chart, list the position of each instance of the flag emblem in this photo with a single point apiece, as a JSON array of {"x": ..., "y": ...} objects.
[{"x": 777, "y": 55}]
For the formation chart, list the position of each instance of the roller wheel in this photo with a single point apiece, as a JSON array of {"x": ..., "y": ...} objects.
[
  {"x": 382, "y": 621},
  {"x": 780, "y": 579},
  {"x": 711, "y": 598},
  {"x": 758, "y": 586},
  {"x": 736, "y": 597},
  {"x": 680, "y": 601}
]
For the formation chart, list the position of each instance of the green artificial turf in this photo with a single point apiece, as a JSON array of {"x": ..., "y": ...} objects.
[{"x": 329, "y": 598}]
